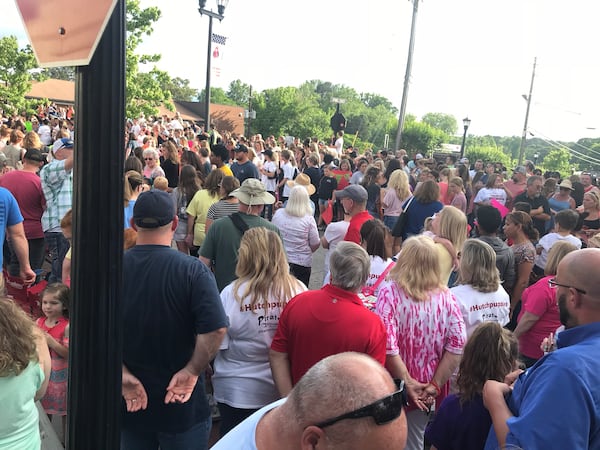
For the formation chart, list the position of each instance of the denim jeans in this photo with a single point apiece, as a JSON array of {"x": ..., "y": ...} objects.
[
  {"x": 390, "y": 221},
  {"x": 57, "y": 249},
  {"x": 37, "y": 254},
  {"x": 196, "y": 438}
]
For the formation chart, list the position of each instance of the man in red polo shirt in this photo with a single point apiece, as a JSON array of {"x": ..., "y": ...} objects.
[
  {"x": 324, "y": 322},
  {"x": 354, "y": 201}
]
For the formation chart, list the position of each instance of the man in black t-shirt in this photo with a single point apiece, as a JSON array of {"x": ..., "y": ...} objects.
[
  {"x": 243, "y": 168},
  {"x": 540, "y": 209},
  {"x": 174, "y": 323}
]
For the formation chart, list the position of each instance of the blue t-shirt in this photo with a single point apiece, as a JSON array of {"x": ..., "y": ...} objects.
[
  {"x": 417, "y": 213},
  {"x": 244, "y": 171},
  {"x": 168, "y": 299},
  {"x": 556, "y": 403},
  {"x": 10, "y": 214},
  {"x": 459, "y": 427},
  {"x": 243, "y": 437},
  {"x": 128, "y": 213}
]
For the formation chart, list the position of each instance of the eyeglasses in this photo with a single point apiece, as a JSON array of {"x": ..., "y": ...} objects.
[
  {"x": 382, "y": 411},
  {"x": 553, "y": 284}
]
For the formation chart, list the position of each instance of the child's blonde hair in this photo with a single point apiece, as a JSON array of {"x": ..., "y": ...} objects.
[
  {"x": 594, "y": 241},
  {"x": 161, "y": 183}
]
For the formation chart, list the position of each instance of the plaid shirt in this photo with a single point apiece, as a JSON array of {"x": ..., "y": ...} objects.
[{"x": 57, "y": 185}]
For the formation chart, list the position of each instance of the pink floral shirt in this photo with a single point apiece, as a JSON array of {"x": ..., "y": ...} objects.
[{"x": 420, "y": 332}]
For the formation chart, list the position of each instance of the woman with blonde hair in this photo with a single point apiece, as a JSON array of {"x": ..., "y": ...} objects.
[
  {"x": 242, "y": 381},
  {"x": 134, "y": 186},
  {"x": 197, "y": 208},
  {"x": 539, "y": 315},
  {"x": 24, "y": 375},
  {"x": 31, "y": 140},
  {"x": 397, "y": 192},
  {"x": 425, "y": 330},
  {"x": 589, "y": 222},
  {"x": 299, "y": 232},
  {"x": 479, "y": 293},
  {"x": 450, "y": 229}
]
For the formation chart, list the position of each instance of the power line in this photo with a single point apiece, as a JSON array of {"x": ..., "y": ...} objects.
[{"x": 572, "y": 152}]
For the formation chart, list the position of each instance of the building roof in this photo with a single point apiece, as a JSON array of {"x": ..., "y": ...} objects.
[
  {"x": 226, "y": 118},
  {"x": 59, "y": 91}
]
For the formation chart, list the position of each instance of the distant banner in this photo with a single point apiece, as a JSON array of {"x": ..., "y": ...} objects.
[{"x": 218, "y": 47}]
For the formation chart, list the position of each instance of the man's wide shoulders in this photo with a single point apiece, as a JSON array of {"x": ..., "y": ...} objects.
[{"x": 162, "y": 254}]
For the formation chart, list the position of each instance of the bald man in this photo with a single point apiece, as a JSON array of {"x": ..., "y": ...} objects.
[
  {"x": 312, "y": 416},
  {"x": 556, "y": 403}
]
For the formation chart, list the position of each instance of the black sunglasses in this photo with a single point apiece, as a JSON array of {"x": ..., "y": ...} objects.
[
  {"x": 382, "y": 411},
  {"x": 552, "y": 283}
]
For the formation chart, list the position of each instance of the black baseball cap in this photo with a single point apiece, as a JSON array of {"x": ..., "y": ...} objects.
[{"x": 153, "y": 209}]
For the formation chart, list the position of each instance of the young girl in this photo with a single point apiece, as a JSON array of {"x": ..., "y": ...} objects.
[
  {"x": 55, "y": 324},
  {"x": 462, "y": 421}
]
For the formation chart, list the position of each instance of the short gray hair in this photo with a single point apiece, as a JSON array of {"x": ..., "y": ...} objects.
[
  {"x": 350, "y": 266},
  {"x": 150, "y": 152}
]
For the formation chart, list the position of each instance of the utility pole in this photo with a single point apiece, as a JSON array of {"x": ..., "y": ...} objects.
[
  {"x": 524, "y": 135},
  {"x": 411, "y": 47}
]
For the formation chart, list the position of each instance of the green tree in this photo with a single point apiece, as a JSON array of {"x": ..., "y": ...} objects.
[
  {"x": 487, "y": 154},
  {"x": 374, "y": 100},
  {"x": 239, "y": 93},
  {"x": 15, "y": 74},
  {"x": 557, "y": 160},
  {"x": 144, "y": 90},
  {"x": 181, "y": 90},
  {"x": 420, "y": 137},
  {"x": 289, "y": 111},
  {"x": 445, "y": 122},
  {"x": 58, "y": 73},
  {"x": 218, "y": 96}
]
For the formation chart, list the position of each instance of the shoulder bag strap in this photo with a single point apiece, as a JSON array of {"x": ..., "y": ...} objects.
[
  {"x": 239, "y": 223},
  {"x": 408, "y": 204},
  {"x": 371, "y": 289}
]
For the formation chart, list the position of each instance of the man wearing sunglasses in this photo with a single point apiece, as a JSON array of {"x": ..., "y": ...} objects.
[
  {"x": 556, "y": 403},
  {"x": 345, "y": 401}
]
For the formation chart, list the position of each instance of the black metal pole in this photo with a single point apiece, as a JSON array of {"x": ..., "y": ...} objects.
[
  {"x": 462, "y": 147},
  {"x": 94, "y": 398},
  {"x": 207, "y": 88}
]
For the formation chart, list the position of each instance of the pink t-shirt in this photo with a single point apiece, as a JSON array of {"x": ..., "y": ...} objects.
[
  {"x": 538, "y": 299},
  {"x": 420, "y": 332}
]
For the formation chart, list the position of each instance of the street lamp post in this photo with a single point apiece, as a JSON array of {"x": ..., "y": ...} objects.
[
  {"x": 466, "y": 123},
  {"x": 221, "y": 5}
]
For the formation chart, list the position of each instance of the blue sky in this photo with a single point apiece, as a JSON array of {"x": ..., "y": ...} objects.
[{"x": 472, "y": 57}]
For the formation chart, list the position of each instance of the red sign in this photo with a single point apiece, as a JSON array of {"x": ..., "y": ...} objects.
[{"x": 65, "y": 32}]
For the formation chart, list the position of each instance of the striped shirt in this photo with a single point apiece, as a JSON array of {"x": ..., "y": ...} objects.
[
  {"x": 222, "y": 209},
  {"x": 57, "y": 184}
]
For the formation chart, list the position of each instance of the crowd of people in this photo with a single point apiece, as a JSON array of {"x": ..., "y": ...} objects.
[{"x": 447, "y": 286}]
